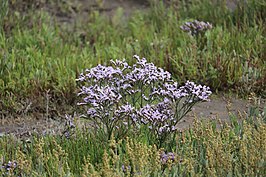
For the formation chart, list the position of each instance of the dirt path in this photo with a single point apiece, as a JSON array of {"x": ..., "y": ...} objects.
[
  {"x": 218, "y": 108},
  {"x": 80, "y": 10}
]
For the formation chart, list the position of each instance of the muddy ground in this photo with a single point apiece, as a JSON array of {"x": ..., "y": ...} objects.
[
  {"x": 80, "y": 9},
  {"x": 218, "y": 108}
]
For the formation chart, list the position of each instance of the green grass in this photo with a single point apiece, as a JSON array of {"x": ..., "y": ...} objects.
[
  {"x": 209, "y": 148},
  {"x": 237, "y": 148},
  {"x": 38, "y": 55}
]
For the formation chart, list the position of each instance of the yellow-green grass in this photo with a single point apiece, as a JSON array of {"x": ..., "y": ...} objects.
[{"x": 234, "y": 149}]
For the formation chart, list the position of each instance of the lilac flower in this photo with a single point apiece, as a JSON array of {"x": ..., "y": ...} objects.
[
  {"x": 170, "y": 90},
  {"x": 126, "y": 169},
  {"x": 167, "y": 157},
  {"x": 126, "y": 110},
  {"x": 100, "y": 74},
  {"x": 196, "y": 27},
  {"x": 159, "y": 117},
  {"x": 199, "y": 91},
  {"x": 69, "y": 121},
  {"x": 147, "y": 73},
  {"x": 119, "y": 63},
  {"x": 69, "y": 127},
  {"x": 99, "y": 95},
  {"x": 9, "y": 166}
]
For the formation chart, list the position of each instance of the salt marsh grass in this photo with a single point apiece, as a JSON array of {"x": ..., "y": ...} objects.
[
  {"x": 37, "y": 54},
  {"x": 235, "y": 149}
]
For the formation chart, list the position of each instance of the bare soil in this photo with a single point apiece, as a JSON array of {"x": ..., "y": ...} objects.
[
  {"x": 218, "y": 108},
  {"x": 79, "y": 10}
]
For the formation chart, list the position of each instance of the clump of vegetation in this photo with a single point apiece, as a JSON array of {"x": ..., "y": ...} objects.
[
  {"x": 38, "y": 54},
  {"x": 121, "y": 97},
  {"x": 196, "y": 27},
  {"x": 235, "y": 149}
]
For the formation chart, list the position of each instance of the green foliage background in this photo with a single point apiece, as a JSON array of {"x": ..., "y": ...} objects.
[{"x": 38, "y": 54}]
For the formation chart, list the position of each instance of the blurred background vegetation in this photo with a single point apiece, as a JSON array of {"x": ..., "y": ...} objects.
[{"x": 45, "y": 44}]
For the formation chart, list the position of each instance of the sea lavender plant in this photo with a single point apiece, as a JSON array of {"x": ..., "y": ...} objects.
[
  {"x": 169, "y": 157},
  {"x": 69, "y": 127},
  {"x": 121, "y": 97},
  {"x": 196, "y": 27},
  {"x": 126, "y": 169},
  {"x": 8, "y": 168}
]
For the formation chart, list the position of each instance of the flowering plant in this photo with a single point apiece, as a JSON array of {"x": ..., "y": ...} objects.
[
  {"x": 121, "y": 97},
  {"x": 8, "y": 168},
  {"x": 167, "y": 157},
  {"x": 196, "y": 27}
]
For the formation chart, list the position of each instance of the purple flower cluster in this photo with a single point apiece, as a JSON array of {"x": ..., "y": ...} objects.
[
  {"x": 164, "y": 116},
  {"x": 121, "y": 94},
  {"x": 126, "y": 169},
  {"x": 147, "y": 73},
  {"x": 198, "y": 91},
  {"x": 167, "y": 157},
  {"x": 126, "y": 111},
  {"x": 159, "y": 117},
  {"x": 195, "y": 27},
  {"x": 100, "y": 73},
  {"x": 8, "y": 167},
  {"x": 69, "y": 127}
]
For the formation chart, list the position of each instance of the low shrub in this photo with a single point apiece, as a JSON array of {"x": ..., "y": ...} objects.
[{"x": 121, "y": 97}]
